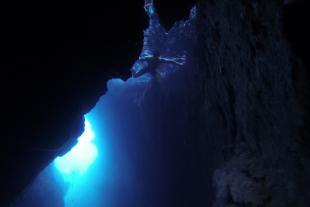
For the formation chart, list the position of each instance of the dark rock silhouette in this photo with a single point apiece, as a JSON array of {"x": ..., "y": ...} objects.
[{"x": 55, "y": 61}]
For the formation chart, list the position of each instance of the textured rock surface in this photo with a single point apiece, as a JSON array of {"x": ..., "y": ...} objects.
[{"x": 248, "y": 81}]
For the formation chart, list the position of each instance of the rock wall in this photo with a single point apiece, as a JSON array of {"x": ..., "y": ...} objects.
[{"x": 247, "y": 83}]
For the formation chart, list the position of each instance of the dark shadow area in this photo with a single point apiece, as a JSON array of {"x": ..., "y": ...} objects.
[
  {"x": 297, "y": 30},
  {"x": 173, "y": 10}
]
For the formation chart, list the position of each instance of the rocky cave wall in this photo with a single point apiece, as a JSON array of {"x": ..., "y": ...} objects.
[
  {"x": 238, "y": 137},
  {"x": 248, "y": 82}
]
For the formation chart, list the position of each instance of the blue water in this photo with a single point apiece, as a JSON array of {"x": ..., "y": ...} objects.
[
  {"x": 116, "y": 160},
  {"x": 77, "y": 161},
  {"x": 75, "y": 168},
  {"x": 119, "y": 159},
  {"x": 98, "y": 170}
]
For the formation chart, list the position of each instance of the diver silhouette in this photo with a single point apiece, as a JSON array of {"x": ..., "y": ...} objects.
[{"x": 154, "y": 39}]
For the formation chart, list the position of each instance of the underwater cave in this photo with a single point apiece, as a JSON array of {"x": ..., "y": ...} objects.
[{"x": 157, "y": 103}]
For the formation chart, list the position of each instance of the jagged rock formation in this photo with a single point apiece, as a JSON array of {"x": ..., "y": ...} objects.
[
  {"x": 54, "y": 66},
  {"x": 143, "y": 136}
]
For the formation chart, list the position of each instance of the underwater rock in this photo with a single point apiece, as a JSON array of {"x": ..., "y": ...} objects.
[
  {"x": 246, "y": 77},
  {"x": 225, "y": 129}
]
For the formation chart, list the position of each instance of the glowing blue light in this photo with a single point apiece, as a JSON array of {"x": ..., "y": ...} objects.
[
  {"x": 77, "y": 161},
  {"x": 150, "y": 9}
]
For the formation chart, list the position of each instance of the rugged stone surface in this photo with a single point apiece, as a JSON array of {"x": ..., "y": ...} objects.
[{"x": 247, "y": 75}]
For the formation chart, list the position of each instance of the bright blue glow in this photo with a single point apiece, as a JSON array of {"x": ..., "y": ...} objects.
[
  {"x": 150, "y": 9},
  {"x": 77, "y": 161}
]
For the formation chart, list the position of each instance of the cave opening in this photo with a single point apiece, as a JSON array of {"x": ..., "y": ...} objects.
[
  {"x": 126, "y": 155},
  {"x": 76, "y": 162},
  {"x": 219, "y": 122}
]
